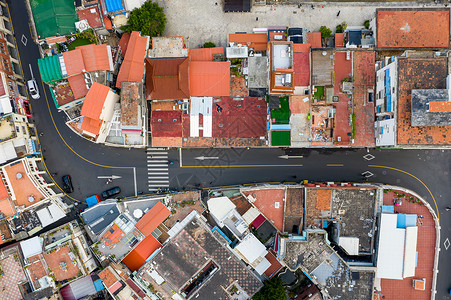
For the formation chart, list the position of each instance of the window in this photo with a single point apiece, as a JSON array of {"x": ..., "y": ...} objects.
[{"x": 17, "y": 129}]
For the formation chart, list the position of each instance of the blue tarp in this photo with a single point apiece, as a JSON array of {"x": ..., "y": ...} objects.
[
  {"x": 113, "y": 5},
  {"x": 93, "y": 200},
  {"x": 388, "y": 209},
  {"x": 404, "y": 221},
  {"x": 388, "y": 90},
  {"x": 98, "y": 285}
]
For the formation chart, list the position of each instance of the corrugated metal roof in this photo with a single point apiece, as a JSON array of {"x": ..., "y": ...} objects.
[
  {"x": 209, "y": 78},
  {"x": 50, "y": 69},
  {"x": 132, "y": 68},
  {"x": 113, "y": 5}
]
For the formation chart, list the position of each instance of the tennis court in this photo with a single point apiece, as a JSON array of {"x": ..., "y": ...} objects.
[{"x": 54, "y": 17}]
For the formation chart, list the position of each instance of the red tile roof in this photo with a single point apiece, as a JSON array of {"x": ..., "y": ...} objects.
[
  {"x": 107, "y": 277},
  {"x": 314, "y": 38},
  {"x": 154, "y": 217},
  {"x": 132, "y": 68},
  {"x": 412, "y": 28},
  {"x": 204, "y": 54},
  {"x": 301, "y": 66},
  {"x": 301, "y": 48},
  {"x": 78, "y": 86},
  {"x": 3, "y": 192},
  {"x": 339, "y": 40},
  {"x": 166, "y": 123},
  {"x": 323, "y": 198},
  {"x": 56, "y": 39},
  {"x": 91, "y": 15},
  {"x": 440, "y": 106},
  {"x": 73, "y": 60},
  {"x": 123, "y": 42},
  {"x": 209, "y": 78},
  {"x": 94, "y": 101},
  {"x": 167, "y": 78},
  {"x": 108, "y": 24},
  {"x": 275, "y": 265},
  {"x": 96, "y": 57},
  {"x": 258, "y": 41},
  {"x": 137, "y": 257}
]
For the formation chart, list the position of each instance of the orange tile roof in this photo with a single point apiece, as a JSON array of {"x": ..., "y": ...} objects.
[
  {"x": 107, "y": 22},
  {"x": 258, "y": 41},
  {"x": 205, "y": 54},
  {"x": 323, "y": 198},
  {"x": 123, "y": 42},
  {"x": 339, "y": 40},
  {"x": 91, "y": 125},
  {"x": 114, "y": 237},
  {"x": 107, "y": 277},
  {"x": 3, "y": 192},
  {"x": 56, "y": 39},
  {"x": 132, "y": 68},
  {"x": 154, "y": 217},
  {"x": 73, "y": 60},
  {"x": 78, "y": 86},
  {"x": 440, "y": 106},
  {"x": 94, "y": 101},
  {"x": 167, "y": 78},
  {"x": 209, "y": 78},
  {"x": 7, "y": 208},
  {"x": 301, "y": 48},
  {"x": 314, "y": 38},
  {"x": 412, "y": 28},
  {"x": 137, "y": 257},
  {"x": 96, "y": 57}
]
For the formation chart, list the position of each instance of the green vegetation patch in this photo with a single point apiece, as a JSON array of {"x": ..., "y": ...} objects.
[
  {"x": 281, "y": 115},
  {"x": 281, "y": 138}
]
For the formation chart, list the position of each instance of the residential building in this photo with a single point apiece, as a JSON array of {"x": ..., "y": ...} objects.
[
  {"x": 97, "y": 112},
  {"x": 168, "y": 47},
  {"x": 281, "y": 64},
  {"x": 119, "y": 288}
]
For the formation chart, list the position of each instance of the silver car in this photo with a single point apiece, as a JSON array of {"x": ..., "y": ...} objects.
[{"x": 33, "y": 88}]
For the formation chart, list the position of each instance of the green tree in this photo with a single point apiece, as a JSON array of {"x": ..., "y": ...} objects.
[
  {"x": 149, "y": 19},
  {"x": 209, "y": 45},
  {"x": 325, "y": 32},
  {"x": 271, "y": 290}
]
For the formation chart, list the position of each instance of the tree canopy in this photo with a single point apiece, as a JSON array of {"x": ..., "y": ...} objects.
[
  {"x": 325, "y": 32},
  {"x": 271, "y": 290},
  {"x": 209, "y": 45},
  {"x": 149, "y": 19}
]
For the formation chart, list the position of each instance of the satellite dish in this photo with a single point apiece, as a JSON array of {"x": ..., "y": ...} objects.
[{"x": 137, "y": 213}]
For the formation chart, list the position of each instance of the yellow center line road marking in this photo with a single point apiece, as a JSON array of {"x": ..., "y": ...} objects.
[
  {"x": 241, "y": 166},
  {"x": 334, "y": 165},
  {"x": 405, "y": 172}
]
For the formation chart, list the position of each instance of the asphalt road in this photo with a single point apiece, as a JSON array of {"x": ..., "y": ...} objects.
[{"x": 426, "y": 172}]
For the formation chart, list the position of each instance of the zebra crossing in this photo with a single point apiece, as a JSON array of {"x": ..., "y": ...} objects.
[{"x": 157, "y": 168}]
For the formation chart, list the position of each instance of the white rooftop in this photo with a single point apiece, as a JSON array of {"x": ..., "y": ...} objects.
[
  {"x": 251, "y": 248},
  {"x": 31, "y": 247},
  {"x": 220, "y": 207}
]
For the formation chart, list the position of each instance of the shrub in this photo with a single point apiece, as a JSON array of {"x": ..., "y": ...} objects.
[
  {"x": 367, "y": 24},
  {"x": 325, "y": 32},
  {"x": 339, "y": 28},
  {"x": 209, "y": 45}
]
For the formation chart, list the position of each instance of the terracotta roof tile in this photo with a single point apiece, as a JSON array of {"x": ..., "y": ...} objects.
[
  {"x": 95, "y": 99},
  {"x": 323, "y": 198},
  {"x": 301, "y": 66},
  {"x": 132, "y": 68},
  {"x": 56, "y": 39},
  {"x": 107, "y": 22},
  {"x": 96, "y": 57},
  {"x": 91, "y": 125},
  {"x": 91, "y": 15},
  {"x": 137, "y": 257},
  {"x": 167, "y": 142},
  {"x": 339, "y": 40},
  {"x": 166, "y": 123},
  {"x": 205, "y": 54},
  {"x": 258, "y": 41},
  {"x": 412, "y": 28},
  {"x": 73, "y": 60},
  {"x": 78, "y": 86},
  {"x": 123, "y": 42},
  {"x": 209, "y": 78},
  {"x": 107, "y": 277},
  {"x": 301, "y": 48},
  {"x": 440, "y": 106},
  {"x": 314, "y": 38},
  {"x": 167, "y": 78},
  {"x": 154, "y": 217}
]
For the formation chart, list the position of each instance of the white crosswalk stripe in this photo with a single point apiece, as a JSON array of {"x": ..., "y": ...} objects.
[{"x": 157, "y": 168}]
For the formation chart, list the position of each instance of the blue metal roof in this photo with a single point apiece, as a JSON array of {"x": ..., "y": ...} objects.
[
  {"x": 98, "y": 284},
  {"x": 113, "y": 5}
]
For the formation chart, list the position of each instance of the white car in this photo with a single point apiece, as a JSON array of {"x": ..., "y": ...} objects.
[{"x": 33, "y": 88}]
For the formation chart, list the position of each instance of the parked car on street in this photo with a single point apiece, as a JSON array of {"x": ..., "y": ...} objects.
[
  {"x": 33, "y": 88},
  {"x": 67, "y": 184},
  {"x": 111, "y": 192}
]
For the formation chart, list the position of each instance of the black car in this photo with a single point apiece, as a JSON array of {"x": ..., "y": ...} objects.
[
  {"x": 111, "y": 192},
  {"x": 67, "y": 184}
]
